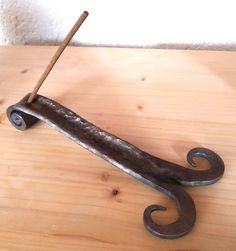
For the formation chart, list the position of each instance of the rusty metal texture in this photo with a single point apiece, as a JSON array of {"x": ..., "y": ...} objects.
[{"x": 160, "y": 174}]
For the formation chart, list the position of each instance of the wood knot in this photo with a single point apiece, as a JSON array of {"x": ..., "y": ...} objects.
[
  {"x": 105, "y": 176},
  {"x": 24, "y": 71},
  {"x": 140, "y": 107},
  {"x": 143, "y": 79},
  {"x": 115, "y": 191}
]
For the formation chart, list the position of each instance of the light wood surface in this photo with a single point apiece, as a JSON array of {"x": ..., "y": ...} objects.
[{"x": 54, "y": 195}]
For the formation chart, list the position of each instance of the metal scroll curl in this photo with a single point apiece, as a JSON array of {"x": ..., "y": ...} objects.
[{"x": 160, "y": 174}]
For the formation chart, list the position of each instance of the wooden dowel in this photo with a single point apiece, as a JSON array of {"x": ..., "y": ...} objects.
[{"x": 57, "y": 55}]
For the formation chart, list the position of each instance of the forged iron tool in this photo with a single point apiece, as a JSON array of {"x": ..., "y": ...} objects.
[{"x": 160, "y": 174}]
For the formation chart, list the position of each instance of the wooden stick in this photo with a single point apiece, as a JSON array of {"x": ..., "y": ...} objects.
[{"x": 57, "y": 55}]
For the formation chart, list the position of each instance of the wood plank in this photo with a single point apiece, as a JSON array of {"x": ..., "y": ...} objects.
[{"x": 55, "y": 195}]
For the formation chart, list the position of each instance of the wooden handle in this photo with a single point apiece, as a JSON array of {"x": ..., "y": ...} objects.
[{"x": 58, "y": 54}]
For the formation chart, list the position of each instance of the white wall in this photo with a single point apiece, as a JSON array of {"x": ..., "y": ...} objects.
[{"x": 149, "y": 23}]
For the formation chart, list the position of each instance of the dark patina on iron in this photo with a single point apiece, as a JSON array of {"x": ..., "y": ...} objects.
[{"x": 160, "y": 174}]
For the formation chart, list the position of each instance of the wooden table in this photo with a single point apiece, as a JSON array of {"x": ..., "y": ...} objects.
[{"x": 57, "y": 196}]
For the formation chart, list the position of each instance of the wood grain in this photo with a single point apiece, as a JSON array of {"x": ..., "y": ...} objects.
[{"x": 55, "y": 195}]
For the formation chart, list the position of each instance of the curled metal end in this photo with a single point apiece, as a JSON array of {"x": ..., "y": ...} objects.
[
  {"x": 20, "y": 120},
  {"x": 193, "y": 177},
  {"x": 186, "y": 211},
  {"x": 203, "y": 177}
]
